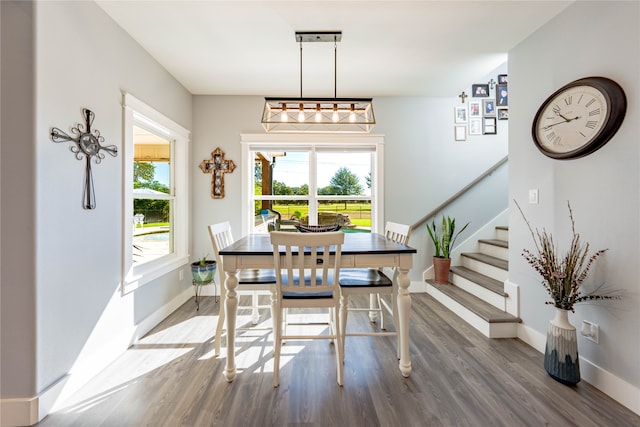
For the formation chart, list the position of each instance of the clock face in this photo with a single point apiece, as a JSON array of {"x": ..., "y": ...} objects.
[{"x": 579, "y": 118}]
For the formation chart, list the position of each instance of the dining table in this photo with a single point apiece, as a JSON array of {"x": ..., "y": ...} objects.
[{"x": 359, "y": 250}]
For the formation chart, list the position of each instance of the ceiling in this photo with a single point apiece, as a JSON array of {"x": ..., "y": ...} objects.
[{"x": 388, "y": 48}]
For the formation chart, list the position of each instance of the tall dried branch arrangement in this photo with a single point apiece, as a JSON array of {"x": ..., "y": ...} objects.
[{"x": 562, "y": 276}]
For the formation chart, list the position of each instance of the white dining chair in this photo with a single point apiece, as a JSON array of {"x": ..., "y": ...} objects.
[
  {"x": 373, "y": 282},
  {"x": 254, "y": 281},
  {"x": 307, "y": 271}
]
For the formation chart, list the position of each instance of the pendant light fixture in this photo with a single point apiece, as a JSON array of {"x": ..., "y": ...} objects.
[{"x": 322, "y": 115}]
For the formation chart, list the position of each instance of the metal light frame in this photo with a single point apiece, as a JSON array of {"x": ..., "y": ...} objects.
[{"x": 318, "y": 115}]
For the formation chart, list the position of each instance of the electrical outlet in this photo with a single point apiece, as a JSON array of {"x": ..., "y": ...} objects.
[
  {"x": 590, "y": 331},
  {"x": 533, "y": 196}
]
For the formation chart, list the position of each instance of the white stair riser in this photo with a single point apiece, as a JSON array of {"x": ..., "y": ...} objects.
[
  {"x": 493, "y": 250},
  {"x": 490, "y": 330},
  {"x": 498, "y": 301},
  {"x": 486, "y": 269},
  {"x": 502, "y": 234}
]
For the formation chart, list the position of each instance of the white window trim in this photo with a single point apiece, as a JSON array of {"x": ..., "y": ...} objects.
[
  {"x": 136, "y": 112},
  {"x": 256, "y": 141}
]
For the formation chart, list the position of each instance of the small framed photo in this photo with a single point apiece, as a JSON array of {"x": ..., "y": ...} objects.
[
  {"x": 489, "y": 126},
  {"x": 502, "y": 95},
  {"x": 460, "y": 133},
  {"x": 461, "y": 114},
  {"x": 503, "y": 114},
  {"x": 502, "y": 79},
  {"x": 475, "y": 109},
  {"x": 480, "y": 90},
  {"x": 489, "y": 107},
  {"x": 475, "y": 126}
]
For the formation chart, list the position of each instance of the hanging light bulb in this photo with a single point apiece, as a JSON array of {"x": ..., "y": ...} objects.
[
  {"x": 318, "y": 113},
  {"x": 283, "y": 114},
  {"x": 335, "y": 116},
  {"x": 301, "y": 113},
  {"x": 352, "y": 114}
]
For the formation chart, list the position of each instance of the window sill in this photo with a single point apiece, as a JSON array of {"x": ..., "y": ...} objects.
[{"x": 152, "y": 270}]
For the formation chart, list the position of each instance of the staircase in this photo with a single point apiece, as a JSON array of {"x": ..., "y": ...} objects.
[{"x": 476, "y": 289}]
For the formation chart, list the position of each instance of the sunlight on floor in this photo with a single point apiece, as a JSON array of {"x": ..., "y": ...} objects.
[{"x": 164, "y": 345}]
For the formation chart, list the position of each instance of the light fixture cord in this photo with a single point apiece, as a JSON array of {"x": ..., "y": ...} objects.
[
  {"x": 335, "y": 68},
  {"x": 300, "y": 68}
]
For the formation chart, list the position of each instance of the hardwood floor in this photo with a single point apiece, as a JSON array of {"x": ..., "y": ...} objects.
[{"x": 459, "y": 378}]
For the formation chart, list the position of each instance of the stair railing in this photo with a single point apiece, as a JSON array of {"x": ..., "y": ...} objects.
[{"x": 466, "y": 188}]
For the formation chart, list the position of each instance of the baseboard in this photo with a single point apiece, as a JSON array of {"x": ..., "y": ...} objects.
[
  {"x": 616, "y": 388},
  {"x": 159, "y": 315},
  {"x": 30, "y": 410},
  {"x": 18, "y": 412}
]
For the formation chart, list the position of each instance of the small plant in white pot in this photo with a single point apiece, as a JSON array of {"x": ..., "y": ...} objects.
[{"x": 443, "y": 242}]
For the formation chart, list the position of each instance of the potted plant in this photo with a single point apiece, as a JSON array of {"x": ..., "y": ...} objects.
[
  {"x": 562, "y": 277},
  {"x": 443, "y": 243},
  {"x": 203, "y": 270}
]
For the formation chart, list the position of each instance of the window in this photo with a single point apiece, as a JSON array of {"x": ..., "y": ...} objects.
[
  {"x": 313, "y": 180},
  {"x": 155, "y": 212}
]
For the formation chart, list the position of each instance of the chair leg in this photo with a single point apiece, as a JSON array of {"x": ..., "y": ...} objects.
[
  {"x": 373, "y": 313},
  {"x": 221, "y": 318},
  {"x": 396, "y": 318},
  {"x": 381, "y": 312},
  {"x": 339, "y": 334},
  {"x": 344, "y": 302},
  {"x": 255, "y": 314},
  {"x": 277, "y": 346}
]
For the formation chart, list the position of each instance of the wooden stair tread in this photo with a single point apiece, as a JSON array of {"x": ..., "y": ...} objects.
[
  {"x": 495, "y": 242},
  {"x": 486, "y": 282},
  {"x": 488, "y": 259},
  {"x": 484, "y": 310},
  {"x": 502, "y": 227}
]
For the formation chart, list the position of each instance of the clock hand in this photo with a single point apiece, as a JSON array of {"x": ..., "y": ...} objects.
[
  {"x": 553, "y": 124},
  {"x": 567, "y": 119}
]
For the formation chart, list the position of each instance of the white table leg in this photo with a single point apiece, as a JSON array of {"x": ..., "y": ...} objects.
[
  {"x": 404, "y": 308},
  {"x": 231, "y": 309}
]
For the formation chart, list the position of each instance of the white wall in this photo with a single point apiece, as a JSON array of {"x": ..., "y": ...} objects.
[
  {"x": 588, "y": 39},
  {"x": 81, "y": 58}
]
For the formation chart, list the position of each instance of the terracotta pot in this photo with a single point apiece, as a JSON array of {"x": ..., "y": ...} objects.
[{"x": 441, "y": 269}]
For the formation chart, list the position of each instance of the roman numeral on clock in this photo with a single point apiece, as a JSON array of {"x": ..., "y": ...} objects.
[{"x": 591, "y": 124}]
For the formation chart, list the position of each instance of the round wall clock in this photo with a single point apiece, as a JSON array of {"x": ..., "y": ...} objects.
[{"x": 579, "y": 118}]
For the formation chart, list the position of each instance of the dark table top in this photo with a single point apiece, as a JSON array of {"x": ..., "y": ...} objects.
[{"x": 354, "y": 244}]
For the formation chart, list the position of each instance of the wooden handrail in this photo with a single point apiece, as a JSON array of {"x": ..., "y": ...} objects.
[{"x": 447, "y": 202}]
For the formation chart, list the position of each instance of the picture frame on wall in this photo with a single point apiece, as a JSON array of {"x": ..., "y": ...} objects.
[
  {"x": 502, "y": 95},
  {"x": 480, "y": 90},
  {"x": 489, "y": 108},
  {"x": 489, "y": 126},
  {"x": 475, "y": 126},
  {"x": 503, "y": 114},
  {"x": 460, "y": 114},
  {"x": 502, "y": 79},
  {"x": 475, "y": 109},
  {"x": 460, "y": 133}
]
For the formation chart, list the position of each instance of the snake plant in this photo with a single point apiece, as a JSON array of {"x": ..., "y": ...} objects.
[{"x": 444, "y": 242}]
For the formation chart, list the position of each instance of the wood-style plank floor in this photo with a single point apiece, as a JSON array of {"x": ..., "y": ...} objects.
[{"x": 459, "y": 378}]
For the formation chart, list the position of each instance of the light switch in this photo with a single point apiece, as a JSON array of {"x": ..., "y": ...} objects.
[{"x": 533, "y": 196}]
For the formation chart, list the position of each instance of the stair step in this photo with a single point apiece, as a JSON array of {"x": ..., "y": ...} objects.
[
  {"x": 495, "y": 242},
  {"x": 486, "y": 282},
  {"x": 488, "y": 259},
  {"x": 502, "y": 232},
  {"x": 485, "y": 311}
]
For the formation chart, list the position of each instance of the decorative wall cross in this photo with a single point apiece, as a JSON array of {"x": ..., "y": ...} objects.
[
  {"x": 217, "y": 166},
  {"x": 463, "y": 96},
  {"x": 87, "y": 144}
]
